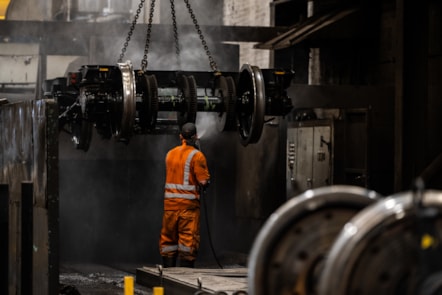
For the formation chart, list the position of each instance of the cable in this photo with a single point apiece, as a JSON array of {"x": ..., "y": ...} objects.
[
  {"x": 203, "y": 196},
  {"x": 202, "y": 192}
]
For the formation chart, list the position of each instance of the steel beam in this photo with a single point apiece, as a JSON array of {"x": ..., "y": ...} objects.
[{"x": 37, "y": 30}]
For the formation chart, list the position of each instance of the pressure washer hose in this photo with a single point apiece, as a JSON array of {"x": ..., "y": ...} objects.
[{"x": 203, "y": 195}]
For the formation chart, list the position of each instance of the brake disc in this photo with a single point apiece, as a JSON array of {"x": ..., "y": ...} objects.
[
  {"x": 251, "y": 106},
  {"x": 81, "y": 134},
  {"x": 187, "y": 86},
  {"x": 226, "y": 120},
  {"x": 129, "y": 102},
  {"x": 149, "y": 111},
  {"x": 288, "y": 254},
  {"x": 380, "y": 251},
  {"x": 80, "y": 127},
  {"x": 154, "y": 104}
]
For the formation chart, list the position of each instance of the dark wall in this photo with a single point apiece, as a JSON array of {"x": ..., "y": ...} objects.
[
  {"x": 111, "y": 197},
  {"x": 394, "y": 44}
]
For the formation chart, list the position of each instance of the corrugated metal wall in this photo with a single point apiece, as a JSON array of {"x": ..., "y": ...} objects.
[{"x": 29, "y": 189}]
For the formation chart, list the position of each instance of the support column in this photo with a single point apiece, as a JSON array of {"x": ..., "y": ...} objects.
[
  {"x": 27, "y": 237},
  {"x": 4, "y": 238},
  {"x": 314, "y": 67},
  {"x": 411, "y": 95}
]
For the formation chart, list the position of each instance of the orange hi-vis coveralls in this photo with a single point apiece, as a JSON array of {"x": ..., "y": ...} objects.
[{"x": 186, "y": 167}]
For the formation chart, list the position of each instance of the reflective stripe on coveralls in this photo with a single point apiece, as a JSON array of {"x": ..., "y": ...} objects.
[
  {"x": 185, "y": 186},
  {"x": 180, "y": 232},
  {"x": 169, "y": 248},
  {"x": 184, "y": 248},
  {"x": 180, "y": 239}
]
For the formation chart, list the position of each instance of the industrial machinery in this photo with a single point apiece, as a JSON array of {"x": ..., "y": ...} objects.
[
  {"x": 391, "y": 247},
  {"x": 121, "y": 101},
  {"x": 347, "y": 240},
  {"x": 288, "y": 255},
  {"x": 309, "y": 153}
]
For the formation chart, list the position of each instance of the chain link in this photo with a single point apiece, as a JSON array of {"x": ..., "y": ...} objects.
[
  {"x": 175, "y": 33},
  {"x": 131, "y": 31},
  {"x": 144, "y": 61},
  {"x": 203, "y": 41}
]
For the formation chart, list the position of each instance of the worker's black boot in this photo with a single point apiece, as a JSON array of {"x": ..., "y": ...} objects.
[
  {"x": 187, "y": 263},
  {"x": 169, "y": 261}
]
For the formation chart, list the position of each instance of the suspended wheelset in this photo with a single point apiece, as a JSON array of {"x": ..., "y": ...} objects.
[{"x": 121, "y": 102}]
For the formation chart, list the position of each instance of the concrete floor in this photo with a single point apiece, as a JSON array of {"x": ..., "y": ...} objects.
[{"x": 95, "y": 279}]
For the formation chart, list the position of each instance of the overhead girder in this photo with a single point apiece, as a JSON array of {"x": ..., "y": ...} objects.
[
  {"x": 36, "y": 31},
  {"x": 120, "y": 101}
]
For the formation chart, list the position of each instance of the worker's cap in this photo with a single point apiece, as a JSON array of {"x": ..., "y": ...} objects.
[{"x": 188, "y": 130}]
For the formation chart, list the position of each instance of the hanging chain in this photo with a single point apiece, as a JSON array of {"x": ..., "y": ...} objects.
[
  {"x": 131, "y": 31},
  {"x": 149, "y": 30},
  {"x": 197, "y": 27},
  {"x": 175, "y": 33},
  {"x": 144, "y": 61}
]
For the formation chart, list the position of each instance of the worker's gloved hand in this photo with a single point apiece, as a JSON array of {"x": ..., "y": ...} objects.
[
  {"x": 197, "y": 144},
  {"x": 203, "y": 187}
]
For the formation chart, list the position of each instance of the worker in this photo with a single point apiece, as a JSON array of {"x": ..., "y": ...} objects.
[{"x": 186, "y": 174}]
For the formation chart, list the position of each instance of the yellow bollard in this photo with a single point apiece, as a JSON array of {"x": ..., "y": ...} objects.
[
  {"x": 158, "y": 291},
  {"x": 128, "y": 285}
]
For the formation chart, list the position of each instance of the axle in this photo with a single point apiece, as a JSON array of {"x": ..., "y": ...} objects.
[{"x": 120, "y": 101}]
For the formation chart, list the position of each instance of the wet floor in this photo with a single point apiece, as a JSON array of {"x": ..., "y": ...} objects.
[{"x": 94, "y": 279}]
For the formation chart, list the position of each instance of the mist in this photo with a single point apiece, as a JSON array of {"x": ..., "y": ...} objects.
[{"x": 111, "y": 197}]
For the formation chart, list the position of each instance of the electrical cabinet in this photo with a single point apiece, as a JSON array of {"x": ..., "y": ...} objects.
[{"x": 309, "y": 155}]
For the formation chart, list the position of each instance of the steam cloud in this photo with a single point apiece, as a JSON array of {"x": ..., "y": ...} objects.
[{"x": 111, "y": 197}]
